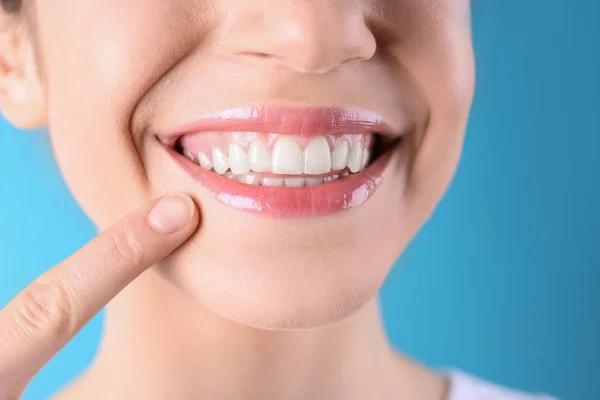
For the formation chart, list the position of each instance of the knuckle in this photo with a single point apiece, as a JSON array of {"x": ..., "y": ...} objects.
[
  {"x": 45, "y": 309},
  {"x": 126, "y": 246}
]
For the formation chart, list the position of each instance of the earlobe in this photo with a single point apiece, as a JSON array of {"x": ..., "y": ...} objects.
[{"x": 21, "y": 93}]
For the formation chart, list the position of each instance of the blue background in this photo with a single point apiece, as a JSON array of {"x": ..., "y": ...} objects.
[{"x": 503, "y": 282}]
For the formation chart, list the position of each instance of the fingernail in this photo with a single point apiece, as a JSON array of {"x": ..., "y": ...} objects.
[{"x": 171, "y": 214}]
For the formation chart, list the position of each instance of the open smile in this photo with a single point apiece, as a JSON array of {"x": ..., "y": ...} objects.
[{"x": 286, "y": 161}]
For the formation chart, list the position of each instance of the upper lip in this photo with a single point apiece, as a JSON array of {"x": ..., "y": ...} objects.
[{"x": 301, "y": 121}]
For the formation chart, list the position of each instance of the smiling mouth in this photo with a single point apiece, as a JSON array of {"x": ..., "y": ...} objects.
[{"x": 286, "y": 162}]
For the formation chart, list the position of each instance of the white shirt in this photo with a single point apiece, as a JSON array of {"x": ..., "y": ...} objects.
[{"x": 467, "y": 387}]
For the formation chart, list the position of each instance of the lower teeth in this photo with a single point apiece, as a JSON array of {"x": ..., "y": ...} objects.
[{"x": 270, "y": 181}]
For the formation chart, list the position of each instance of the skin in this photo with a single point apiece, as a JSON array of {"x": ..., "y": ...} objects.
[{"x": 248, "y": 307}]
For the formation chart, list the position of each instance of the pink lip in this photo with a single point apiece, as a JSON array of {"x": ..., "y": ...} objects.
[
  {"x": 345, "y": 193},
  {"x": 286, "y": 121}
]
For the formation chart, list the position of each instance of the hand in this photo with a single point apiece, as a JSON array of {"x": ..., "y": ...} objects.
[{"x": 45, "y": 316}]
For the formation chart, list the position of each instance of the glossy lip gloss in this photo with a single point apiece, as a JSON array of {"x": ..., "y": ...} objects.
[{"x": 348, "y": 192}]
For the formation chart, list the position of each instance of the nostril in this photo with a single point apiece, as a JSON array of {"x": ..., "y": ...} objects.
[{"x": 304, "y": 36}]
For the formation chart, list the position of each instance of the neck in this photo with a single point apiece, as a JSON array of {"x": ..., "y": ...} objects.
[{"x": 159, "y": 343}]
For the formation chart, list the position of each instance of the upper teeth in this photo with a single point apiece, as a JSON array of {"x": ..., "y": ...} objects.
[
  {"x": 260, "y": 157},
  {"x": 339, "y": 155},
  {"x": 355, "y": 158},
  {"x": 205, "y": 161},
  {"x": 238, "y": 159},
  {"x": 287, "y": 158},
  {"x": 317, "y": 156},
  {"x": 220, "y": 160}
]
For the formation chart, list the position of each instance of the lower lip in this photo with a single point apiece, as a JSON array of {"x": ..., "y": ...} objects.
[{"x": 328, "y": 198}]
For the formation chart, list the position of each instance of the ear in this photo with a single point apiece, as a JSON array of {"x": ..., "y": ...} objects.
[{"x": 22, "y": 98}]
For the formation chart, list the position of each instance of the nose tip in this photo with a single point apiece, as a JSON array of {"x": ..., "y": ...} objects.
[
  {"x": 306, "y": 36},
  {"x": 322, "y": 47}
]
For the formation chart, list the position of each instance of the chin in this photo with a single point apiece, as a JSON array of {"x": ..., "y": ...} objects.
[
  {"x": 282, "y": 274},
  {"x": 274, "y": 254}
]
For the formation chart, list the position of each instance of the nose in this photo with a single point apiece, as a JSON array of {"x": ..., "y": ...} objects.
[{"x": 309, "y": 36}]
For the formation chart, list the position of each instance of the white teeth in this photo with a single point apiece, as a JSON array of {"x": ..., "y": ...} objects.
[
  {"x": 331, "y": 178},
  {"x": 249, "y": 179},
  {"x": 287, "y": 157},
  {"x": 317, "y": 156},
  {"x": 295, "y": 182},
  {"x": 188, "y": 154},
  {"x": 339, "y": 155},
  {"x": 366, "y": 156},
  {"x": 238, "y": 159},
  {"x": 260, "y": 157},
  {"x": 355, "y": 158},
  {"x": 205, "y": 162},
  {"x": 272, "y": 181},
  {"x": 313, "y": 181},
  {"x": 220, "y": 161}
]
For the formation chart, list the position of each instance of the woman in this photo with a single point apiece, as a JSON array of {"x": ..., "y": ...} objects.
[{"x": 294, "y": 148}]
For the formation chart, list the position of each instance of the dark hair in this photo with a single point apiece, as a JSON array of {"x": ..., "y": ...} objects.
[{"x": 11, "y": 6}]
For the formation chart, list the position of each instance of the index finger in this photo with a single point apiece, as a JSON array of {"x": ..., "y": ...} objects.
[{"x": 49, "y": 312}]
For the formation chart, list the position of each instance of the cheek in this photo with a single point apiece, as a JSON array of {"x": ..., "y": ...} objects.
[
  {"x": 97, "y": 160},
  {"x": 442, "y": 63},
  {"x": 89, "y": 117}
]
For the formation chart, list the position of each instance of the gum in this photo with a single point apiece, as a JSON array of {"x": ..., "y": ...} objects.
[{"x": 205, "y": 141}]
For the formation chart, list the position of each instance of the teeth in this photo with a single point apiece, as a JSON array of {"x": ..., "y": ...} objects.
[
  {"x": 339, "y": 155},
  {"x": 238, "y": 159},
  {"x": 366, "y": 156},
  {"x": 272, "y": 181},
  {"x": 220, "y": 161},
  {"x": 260, "y": 157},
  {"x": 287, "y": 157},
  {"x": 249, "y": 179},
  {"x": 331, "y": 178},
  {"x": 295, "y": 182},
  {"x": 355, "y": 158},
  {"x": 188, "y": 154},
  {"x": 317, "y": 156},
  {"x": 205, "y": 162},
  {"x": 313, "y": 181}
]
